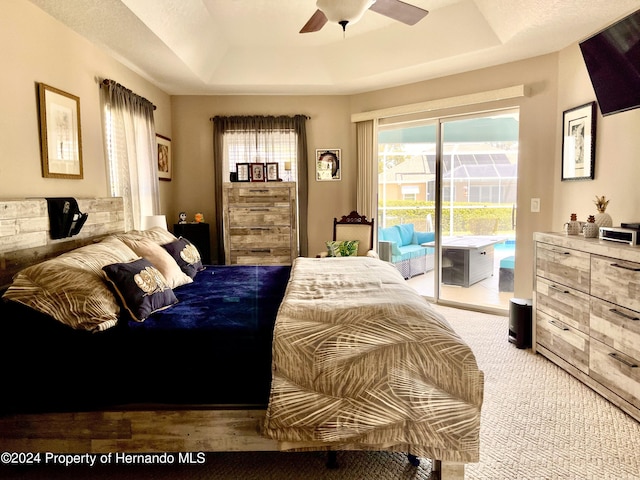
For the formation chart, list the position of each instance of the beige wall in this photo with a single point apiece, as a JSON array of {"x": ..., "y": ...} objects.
[
  {"x": 617, "y": 153},
  {"x": 329, "y": 126},
  {"x": 37, "y": 48}
]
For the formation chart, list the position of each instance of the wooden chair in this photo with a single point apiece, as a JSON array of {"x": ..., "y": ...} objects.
[{"x": 354, "y": 227}]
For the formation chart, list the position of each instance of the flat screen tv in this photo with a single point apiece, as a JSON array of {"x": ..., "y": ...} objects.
[{"x": 612, "y": 57}]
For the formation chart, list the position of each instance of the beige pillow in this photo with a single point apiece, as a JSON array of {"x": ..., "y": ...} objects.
[
  {"x": 72, "y": 288},
  {"x": 157, "y": 234},
  {"x": 160, "y": 258}
]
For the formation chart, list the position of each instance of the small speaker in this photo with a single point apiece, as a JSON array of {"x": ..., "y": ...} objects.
[{"x": 233, "y": 176}]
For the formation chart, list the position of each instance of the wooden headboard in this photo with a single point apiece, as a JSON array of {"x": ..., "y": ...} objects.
[{"x": 24, "y": 231}]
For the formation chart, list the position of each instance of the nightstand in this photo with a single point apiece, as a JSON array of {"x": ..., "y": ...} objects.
[{"x": 198, "y": 234}]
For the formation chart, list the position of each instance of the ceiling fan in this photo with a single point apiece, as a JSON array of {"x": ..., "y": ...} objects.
[{"x": 344, "y": 12}]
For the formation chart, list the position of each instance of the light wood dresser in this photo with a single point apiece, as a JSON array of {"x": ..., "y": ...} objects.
[
  {"x": 260, "y": 223},
  {"x": 587, "y": 313}
]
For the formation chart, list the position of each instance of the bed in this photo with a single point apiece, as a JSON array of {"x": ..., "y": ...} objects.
[{"x": 328, "y": 354}]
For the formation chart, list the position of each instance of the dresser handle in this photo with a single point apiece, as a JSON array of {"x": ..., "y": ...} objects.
[
  {"x": 259, "y": 209},
  {"x": 624, "y": 315},
  {"x": 633, "y": 269},
  {"x": 622, "y": 360},
  {"x": 561, "y": 327},
  {"x": 555, "y": 287},
  {"x": 260, "y": 250},
  {"x": 262, "y": 190},
  {"x": 563, "y": 252}
]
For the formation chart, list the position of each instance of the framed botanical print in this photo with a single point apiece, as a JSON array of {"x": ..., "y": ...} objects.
[
  {"x": 165, "y": 161},
  {"x": 579, "y": 142},
  {"x": 60, "y": 133}
]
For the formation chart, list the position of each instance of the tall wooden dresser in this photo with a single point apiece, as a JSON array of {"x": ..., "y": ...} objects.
[
  {"x": 260, "y": 223},
  {"x": 587, "y": 313}
]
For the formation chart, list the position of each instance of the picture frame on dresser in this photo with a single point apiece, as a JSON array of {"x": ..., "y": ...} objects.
[
  {"x": 579, "y": 142},
  {"x": 60, "y": 133},
  {"x": 165, "y": 160},
  {"x": 257, "y": 172},
  {"x": 242, "y": 171},
  {"x": 272, "y": 172}
]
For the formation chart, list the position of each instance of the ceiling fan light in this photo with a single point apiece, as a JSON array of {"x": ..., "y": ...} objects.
[{"x": 344, "y": 10}]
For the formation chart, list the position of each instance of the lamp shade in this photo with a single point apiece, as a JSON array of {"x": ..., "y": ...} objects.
[
  {"x": 344, "y": 10},
  {"x": 151, "y": 221}
]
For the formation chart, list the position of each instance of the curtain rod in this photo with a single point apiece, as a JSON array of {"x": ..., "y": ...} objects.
[
  {"x": 263, "y": 116},
  {"x": 108, "y": 81}
]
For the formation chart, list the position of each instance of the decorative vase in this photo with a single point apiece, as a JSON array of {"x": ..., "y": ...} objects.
[
  {"x": 572, "y": 227},
  {"x": 590, "y": 229},
  {"x": 602, "y": 219}
]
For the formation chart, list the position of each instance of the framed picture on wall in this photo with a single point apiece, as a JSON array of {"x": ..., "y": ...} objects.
[
  {"x": 60, "y": 136},
  {"x": 242, "y": 170},
  {"x": 579, "y": 142},
  {"x": 328, "y": 164},
  {"x": 165, "y": 161}
]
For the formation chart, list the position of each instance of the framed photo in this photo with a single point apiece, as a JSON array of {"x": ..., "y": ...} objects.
[
  {"x": 579, "y": 142},
  {"x": 165, "y": 160},
  {"x": 328, "y": 164},
  {"x": 257, "y": 172},
  {"x": 272, "y": 172},
  {"x": 60, "y": 136},
  {"x": 242, "y": 170}
]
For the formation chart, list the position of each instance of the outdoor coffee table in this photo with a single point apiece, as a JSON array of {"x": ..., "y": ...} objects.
[{"x": 467, "y": 259}]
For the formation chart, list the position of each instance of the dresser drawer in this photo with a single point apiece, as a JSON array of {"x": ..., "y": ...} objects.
[
  {"x": 256, "y": 194},
  {"x": 616, "y": 281},
  {"x": 616, "y": 327},
  {"x": 563, "y": 303},
  {"x": 260, "y": 237},
  {"x": 618, "y": 372},
  {"x": 567, "y": 342},
  {"x": 258, "y": 215},
  {"x": 261, "y": 256},
  {"x": 563, "y": 265}
]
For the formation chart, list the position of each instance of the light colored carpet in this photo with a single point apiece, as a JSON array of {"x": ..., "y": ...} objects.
[{"x": 537, "y": 423}]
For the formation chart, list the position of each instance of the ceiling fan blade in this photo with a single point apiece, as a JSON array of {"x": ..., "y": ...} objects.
[
  {"x": 315, "y": 23},
  {"x": 398, "y": 10}
]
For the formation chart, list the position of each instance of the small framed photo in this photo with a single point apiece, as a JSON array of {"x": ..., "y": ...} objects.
[
  {"x": 272, "y": 172},
  {"x": 164, "y": 157},
  {"x": 60, "y": 136},
  {"x": 242, "y": 169},
  {"x": 327, "y": 164},
  {"x": 257, "y": 172},
  {"x": 579, "y": 142}
]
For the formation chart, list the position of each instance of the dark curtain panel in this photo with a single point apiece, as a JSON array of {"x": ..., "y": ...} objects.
[{"x": 262, "y": 124}]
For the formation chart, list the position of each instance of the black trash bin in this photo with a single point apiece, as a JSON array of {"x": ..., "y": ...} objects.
[{"x": 520, "y": 322}]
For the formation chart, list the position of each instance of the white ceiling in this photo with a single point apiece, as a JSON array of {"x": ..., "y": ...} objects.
[{"x": 191, "y": 47}]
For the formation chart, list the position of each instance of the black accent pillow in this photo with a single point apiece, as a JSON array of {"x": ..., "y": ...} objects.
[
  {"x": 141, "y": 287},
  {"x": 186, "y": 256}
]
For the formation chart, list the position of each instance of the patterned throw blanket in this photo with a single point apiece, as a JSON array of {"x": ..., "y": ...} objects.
[{"x": 361, "y": 361}]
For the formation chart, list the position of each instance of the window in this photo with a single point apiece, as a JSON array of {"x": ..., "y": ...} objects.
[{"x": 261, "y": 147}]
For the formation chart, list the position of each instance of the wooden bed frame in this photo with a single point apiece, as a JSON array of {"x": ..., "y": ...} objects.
[{"x": 202, "y": 428}]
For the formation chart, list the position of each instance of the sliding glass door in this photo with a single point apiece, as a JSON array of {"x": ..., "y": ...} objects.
[{"x": 457, "y": 178}]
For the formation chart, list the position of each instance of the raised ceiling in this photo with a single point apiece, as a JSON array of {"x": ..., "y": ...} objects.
[{"x": 193, "y": 47}]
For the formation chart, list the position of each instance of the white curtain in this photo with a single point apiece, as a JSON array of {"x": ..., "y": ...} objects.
[
  {"x": 367, "y": 180},
  {"x": 131, "y": 151}
]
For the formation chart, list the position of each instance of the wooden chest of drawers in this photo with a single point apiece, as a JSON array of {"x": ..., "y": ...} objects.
[
  {"x": 587, "y": 313},
  {"x": 260, "y": 223}
]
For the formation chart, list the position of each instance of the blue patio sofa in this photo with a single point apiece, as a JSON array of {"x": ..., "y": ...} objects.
[{"x": 401, "y": 245}]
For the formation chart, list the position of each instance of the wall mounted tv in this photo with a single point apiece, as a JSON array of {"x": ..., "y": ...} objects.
[{"x": 612, "y": 57}]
